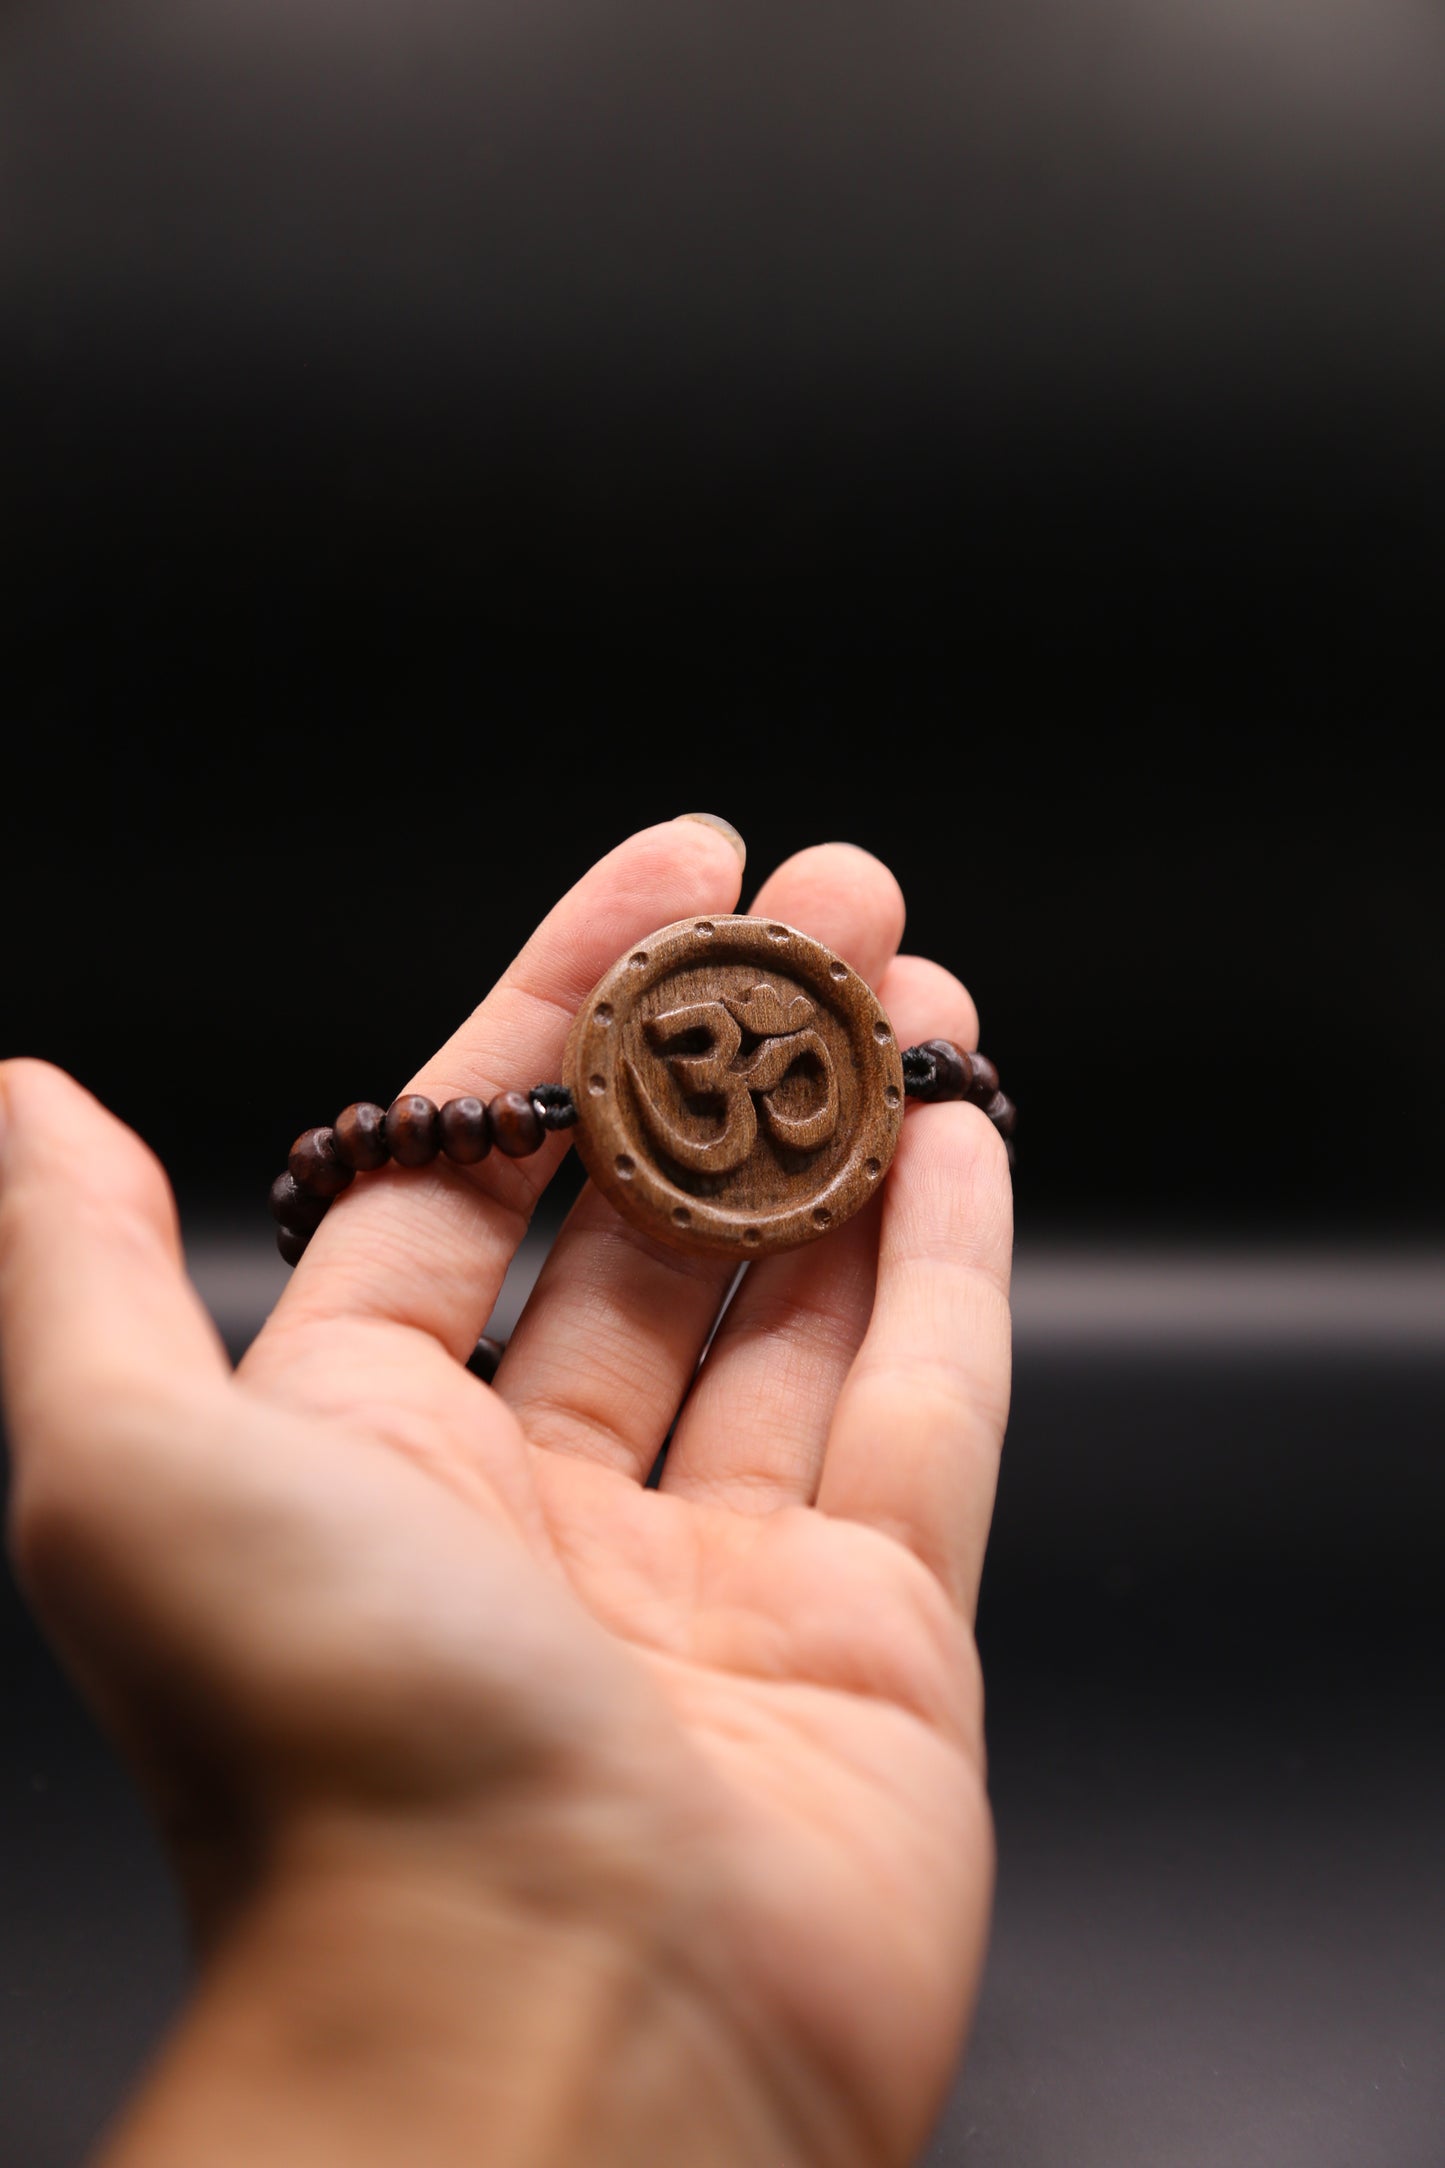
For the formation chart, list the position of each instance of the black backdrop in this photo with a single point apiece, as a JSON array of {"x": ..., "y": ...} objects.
[{"x": 1008, "y": 438}]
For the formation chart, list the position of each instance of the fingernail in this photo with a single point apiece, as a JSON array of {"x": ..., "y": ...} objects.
[{"x": 724, "y": 828}]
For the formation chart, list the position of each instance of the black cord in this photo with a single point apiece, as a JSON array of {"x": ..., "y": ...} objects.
[{"x": 555, "y": 1105}]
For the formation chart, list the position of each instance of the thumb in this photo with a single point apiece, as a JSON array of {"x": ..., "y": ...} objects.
[{"x": 97, "y": 1317}]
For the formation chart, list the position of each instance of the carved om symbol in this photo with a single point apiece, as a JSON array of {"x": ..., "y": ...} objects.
[{"x": 743, "y": 1082}]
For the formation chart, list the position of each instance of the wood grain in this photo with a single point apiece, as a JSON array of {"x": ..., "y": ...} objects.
[{"x": 738, "y": 1087}]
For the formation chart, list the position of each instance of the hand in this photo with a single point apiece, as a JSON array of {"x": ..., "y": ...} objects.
[{"x": 525, "y": 1813}]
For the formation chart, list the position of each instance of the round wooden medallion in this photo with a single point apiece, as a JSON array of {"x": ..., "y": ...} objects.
[{"x": 738, "y": 1088}]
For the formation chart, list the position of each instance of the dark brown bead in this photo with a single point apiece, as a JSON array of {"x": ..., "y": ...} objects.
[
  {"x": 315, "y": 1166},
  {"x": 947, "y": 1071},
  {"x": 984, "y": 1082},
  {"x": 955, "y": 1068},
  {"x": 359, "y": 1137},
  {"x": 412, "y": 1130},
  {"x": 294, "y": 1207},
  {"x": 464, "y": 1132},
  {"x": 484, "y": 1358},
  {"x": 291, "y": 1244},
  {"x": 1002, "y": 1112},
  {"x": 515, "y": 1124}
]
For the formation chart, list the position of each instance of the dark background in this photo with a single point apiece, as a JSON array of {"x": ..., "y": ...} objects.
[
  {"x": 1007, "y": 436},
  {"x": 1010, "y": 437}
]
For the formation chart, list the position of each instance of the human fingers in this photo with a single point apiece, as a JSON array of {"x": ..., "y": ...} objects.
[
  {"x": 603, "y": 1352},
  {"x": 756, "y": 1422},
  {"x": 914, "y": 1443},
  {"x": 248, "y": 1601},
  {"x": 926, "y": 1001},
  {"x": 429, "y": 1247}
]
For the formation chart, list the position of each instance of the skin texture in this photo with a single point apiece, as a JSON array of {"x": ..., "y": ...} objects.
[{"x": 525, "y": 1814}]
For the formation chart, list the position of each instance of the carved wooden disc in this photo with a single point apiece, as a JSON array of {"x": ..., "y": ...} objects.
[{"x": 738, "y": 1087}]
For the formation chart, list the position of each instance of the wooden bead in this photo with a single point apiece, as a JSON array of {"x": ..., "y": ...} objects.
[
  {"x": 515, "y": 1124},
  {"x": 412, "y": 1130},
  {"x": 291, "y": 1244},
  {"x": 1002, "y": 1112},
  {"x": 484, "y": 1358},
  {"x": 464, "y": 1132},
  {"x": 953, "y": 1070},
  {"x": 315, "y": 1167},
  {"x": 984, "y": 1081},
  {"x": 359, "y": 1137},
  {"x": 296, "y": 1208}
]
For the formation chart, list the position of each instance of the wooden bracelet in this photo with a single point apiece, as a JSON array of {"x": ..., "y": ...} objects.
[{"x": 735, "y": 1087}]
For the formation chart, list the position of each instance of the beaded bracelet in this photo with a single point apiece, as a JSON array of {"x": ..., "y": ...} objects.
[{"x": 735, "y": 1088}]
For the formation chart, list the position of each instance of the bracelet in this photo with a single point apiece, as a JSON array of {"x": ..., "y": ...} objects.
[{"x": 735, "y": 1088}]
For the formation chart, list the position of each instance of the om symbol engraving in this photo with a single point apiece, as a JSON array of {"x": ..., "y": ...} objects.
[
  {"x": 738, "y": 1087},
  {"x": 743, "y": 1082}
]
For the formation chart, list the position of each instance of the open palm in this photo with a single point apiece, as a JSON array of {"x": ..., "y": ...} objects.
[{"x": 354, "y": 1589}]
